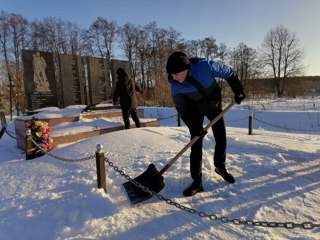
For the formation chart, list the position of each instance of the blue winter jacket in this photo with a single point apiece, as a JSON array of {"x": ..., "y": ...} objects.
[{"x": 187, "y": 98}]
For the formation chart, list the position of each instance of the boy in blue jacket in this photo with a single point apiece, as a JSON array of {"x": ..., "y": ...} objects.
[{"x": 196, "y": 94}]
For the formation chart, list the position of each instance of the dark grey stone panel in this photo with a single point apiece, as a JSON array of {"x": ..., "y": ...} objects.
[
  {"x": 39, "y": 79},
  {"x": 72, "y": 79},
  {"x": 98, "y": 80}
]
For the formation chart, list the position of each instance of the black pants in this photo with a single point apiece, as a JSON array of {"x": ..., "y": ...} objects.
[
  {"x": 126, "y": 112},
  {"x": 219, "y": 133}
]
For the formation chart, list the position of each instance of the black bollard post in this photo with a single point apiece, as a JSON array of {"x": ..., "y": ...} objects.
[
  {"x": 179, "y": 120},
  {"x": 101, "y": 173},
  {"x": 29, "y": 145},
  {"x": 3, "y": 123},
  {"x": 250, "y": 123},
  {"x": 3, "y": 119},
  {"x": 3, "y": 129}
]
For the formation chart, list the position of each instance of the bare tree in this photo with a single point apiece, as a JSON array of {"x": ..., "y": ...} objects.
[
  {"x": 102, "y": 35},
  {"x": 222, "y": 52},
  {"x": 75, "y": 40},
  {"x": 281, "y": 56},
  {"x": 209, "y": 48},
  {"x": 243, "y": 60},
  {"x": 13, "y": 31},
  {"x": 128, "y": 40},
  {"x": 147, "y": 48},
  {"x": 173, "y": 40},
  {"x": 38, "y": 39},
  {"x": 193, "y": 48},
  {"x": 48, "y": 36},
  {"x": 161, "y": 42},
  {"x": 56, "y": 35}
]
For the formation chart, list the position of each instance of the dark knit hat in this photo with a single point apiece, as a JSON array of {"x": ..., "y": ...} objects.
[
  {"x": 177, "y": 62},
  {"x": 120, "y": 71}
]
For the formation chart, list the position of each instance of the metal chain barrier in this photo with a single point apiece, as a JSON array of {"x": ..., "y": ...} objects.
[
  {"x": 286, "y": 128},
  {"x": 245, "y": 118},
  {"x": 238, "y": 120},
  {"x": 214, "y": 217},
  {"x": 10, "y": 134},
  {"x": 170, "y": 117},
  {"x": 61, "y": 158}
]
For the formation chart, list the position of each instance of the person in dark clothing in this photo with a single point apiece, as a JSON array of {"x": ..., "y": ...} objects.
[
  {"x": 126, "y": 89},
  {"x": 196, "y": 94}
]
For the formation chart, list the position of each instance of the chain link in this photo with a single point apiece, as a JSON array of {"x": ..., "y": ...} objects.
[
  {"x": 237, "y": 120},
  {"x": 169, "y": 117},
  {"x": 214, "y": 217},
  {"x": 61, "y": 158},
  {"x": 10, "y": 134},
  {"x": 286, "y": 128}
]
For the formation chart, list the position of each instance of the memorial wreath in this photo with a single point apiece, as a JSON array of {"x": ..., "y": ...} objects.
[{"x": 40, "y": 132}]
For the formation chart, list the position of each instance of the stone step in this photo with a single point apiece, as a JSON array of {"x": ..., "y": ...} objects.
[
  {"x": 81, "y": 130},
  {"x": 74, "y": 127}
]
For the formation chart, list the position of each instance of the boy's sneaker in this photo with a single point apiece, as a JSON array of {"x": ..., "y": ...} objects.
[{"x": 226, "y": 176}]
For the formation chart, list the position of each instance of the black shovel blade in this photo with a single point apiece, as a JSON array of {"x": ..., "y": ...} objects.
[{"x": 151, "y": 179}]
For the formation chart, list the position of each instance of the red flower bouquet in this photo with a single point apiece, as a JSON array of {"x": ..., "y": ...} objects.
[{"x": 40, "y": 134}]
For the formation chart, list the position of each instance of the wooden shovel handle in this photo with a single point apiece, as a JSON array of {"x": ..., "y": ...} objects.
[{"x": 193, "y": 140}]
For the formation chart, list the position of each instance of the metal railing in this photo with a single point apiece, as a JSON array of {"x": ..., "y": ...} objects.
[{"x": 101, "y": 159}]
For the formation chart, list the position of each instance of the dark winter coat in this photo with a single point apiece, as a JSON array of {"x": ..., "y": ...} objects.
[
  {"x": 126, "y": 89},
  {"x": 187, "y": 98}
]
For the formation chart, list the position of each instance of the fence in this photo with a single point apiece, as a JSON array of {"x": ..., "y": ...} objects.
[{"x": 101, "y": 159}]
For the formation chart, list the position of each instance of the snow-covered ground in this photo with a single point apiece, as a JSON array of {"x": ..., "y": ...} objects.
[{"x": 277, "y": 171}]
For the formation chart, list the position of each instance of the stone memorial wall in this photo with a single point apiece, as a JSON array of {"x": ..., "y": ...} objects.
[
  {"x": 99, "y": 80},
  {"x": 39, "y": 80},
  {"x": 60, "y": 80},
  {"x": 72, "y": 72}
]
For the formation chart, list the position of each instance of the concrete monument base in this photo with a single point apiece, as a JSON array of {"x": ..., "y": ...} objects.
[{"x": 70, "y": 128}]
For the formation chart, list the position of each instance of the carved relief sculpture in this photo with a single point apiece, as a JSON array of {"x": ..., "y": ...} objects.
[{"x": 39, "y": 73}]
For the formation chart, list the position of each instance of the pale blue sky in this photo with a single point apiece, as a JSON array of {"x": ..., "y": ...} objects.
[{"x": 228, "y": 21}]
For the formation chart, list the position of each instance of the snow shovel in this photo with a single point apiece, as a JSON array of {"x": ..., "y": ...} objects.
[{"x": 152, "y": 178}]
